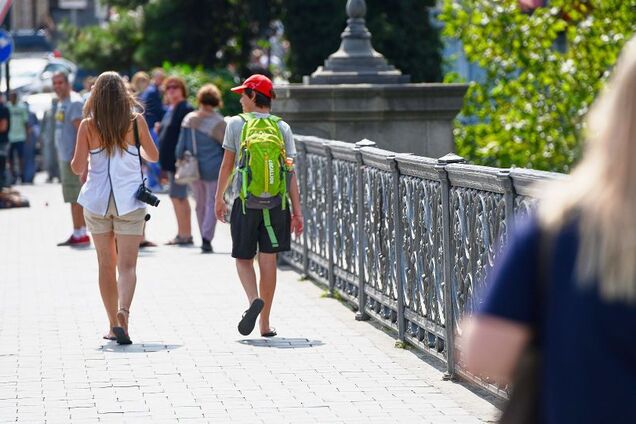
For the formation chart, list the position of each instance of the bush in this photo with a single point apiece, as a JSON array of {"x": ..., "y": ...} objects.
[
  {"x": 543, "y": 71},
  {"x": 196, "y": 77}
]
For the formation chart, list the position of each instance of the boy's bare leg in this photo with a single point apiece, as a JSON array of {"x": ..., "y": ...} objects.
[
  {"x": 247, "y": 275},
  {"x": 267, "y": 286}
]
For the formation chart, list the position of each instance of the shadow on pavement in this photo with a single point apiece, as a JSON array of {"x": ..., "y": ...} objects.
[
  {"x": 282, "y": 343},
  {"x": 137, "y": 348}
]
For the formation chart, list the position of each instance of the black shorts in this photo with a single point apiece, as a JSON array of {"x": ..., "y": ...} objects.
[{"x": 249, "y": 233}]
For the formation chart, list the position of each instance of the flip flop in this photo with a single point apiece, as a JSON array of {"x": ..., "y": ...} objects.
[
  {"x": 271, "y": 333},
  {"x": 109, "y": 338},
  {"x": 122, "y": 337},
  {"x": 248, "y": 321}
]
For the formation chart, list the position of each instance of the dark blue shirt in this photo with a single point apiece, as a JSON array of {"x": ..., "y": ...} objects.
[
  {"x": 588, "y": 344},
  {"x": 153, "y": 106},
  {"x": 169, "y": 134}
]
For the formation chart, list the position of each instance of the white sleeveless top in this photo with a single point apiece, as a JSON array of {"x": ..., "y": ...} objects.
[{"x": 118, "y": 175}]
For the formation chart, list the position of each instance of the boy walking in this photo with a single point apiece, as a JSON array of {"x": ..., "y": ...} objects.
[{"x": 260, "y": 147}]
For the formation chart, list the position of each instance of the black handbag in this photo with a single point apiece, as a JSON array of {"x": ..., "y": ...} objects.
[{"x": 523, "y": 405}]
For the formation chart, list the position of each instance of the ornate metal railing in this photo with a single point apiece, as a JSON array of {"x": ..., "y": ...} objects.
[{"x": 406, "y": 240}]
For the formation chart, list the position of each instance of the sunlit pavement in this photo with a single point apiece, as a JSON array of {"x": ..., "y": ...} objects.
[{"x": 188, "y": 363}]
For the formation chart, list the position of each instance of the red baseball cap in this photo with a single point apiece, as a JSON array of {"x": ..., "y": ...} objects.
[{"x": 256, "y": 82}]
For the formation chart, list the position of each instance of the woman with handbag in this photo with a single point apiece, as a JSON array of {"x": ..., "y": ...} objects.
[
  {"x": 176, "y": 95},
  {"x": 200, "y": 155},
  {"x": 115, "y": 138},
  {"x": 559, "y": 321}
]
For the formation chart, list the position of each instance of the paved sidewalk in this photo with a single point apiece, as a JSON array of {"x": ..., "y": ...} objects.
[{"x": 188, "y": 363}]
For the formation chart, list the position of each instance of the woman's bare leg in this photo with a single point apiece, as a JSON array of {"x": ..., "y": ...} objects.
[
  {"x": 128, "y": 249},
  {"x": 107, "y": 260}
]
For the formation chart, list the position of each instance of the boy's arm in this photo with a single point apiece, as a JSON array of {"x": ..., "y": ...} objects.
[
  {"x": 220, "y": 208},
  {"x": 297, "y": 212}
]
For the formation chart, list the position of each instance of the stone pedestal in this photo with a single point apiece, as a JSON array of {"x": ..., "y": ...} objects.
[{"x": 405, "y": 118}]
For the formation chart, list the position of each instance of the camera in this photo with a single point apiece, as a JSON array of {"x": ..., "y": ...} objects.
[{"x": 145, "y": 195}]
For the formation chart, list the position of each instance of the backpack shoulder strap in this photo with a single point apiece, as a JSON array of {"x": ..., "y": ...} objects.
[
  {"x": 246, "y": 117},
  {"x": 274, "y": 118}
]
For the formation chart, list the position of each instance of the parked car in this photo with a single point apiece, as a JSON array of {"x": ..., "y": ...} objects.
[
  {"x": 33, "y": 74},
  {"x": 27, "y": 42}
]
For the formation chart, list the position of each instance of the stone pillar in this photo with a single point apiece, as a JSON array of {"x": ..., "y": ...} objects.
[{"x": 357, "y": 95}]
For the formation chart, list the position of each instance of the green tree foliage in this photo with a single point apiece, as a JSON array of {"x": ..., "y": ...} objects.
[
  {"x": 529, "y": 112},
  {"x": 104, "y": 48},
  {"x": 401, "y": 32},
  {"x": 196, "y": 77},
  {"x": 313, "y": 28}
]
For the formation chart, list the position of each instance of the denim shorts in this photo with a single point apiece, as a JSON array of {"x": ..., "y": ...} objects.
[{"x": 178, "y": 191}]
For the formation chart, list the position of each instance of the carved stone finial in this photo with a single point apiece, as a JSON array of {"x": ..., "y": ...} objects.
[
  {"x": 356, "y": 9},
  {"x": 356, "y": 62}
]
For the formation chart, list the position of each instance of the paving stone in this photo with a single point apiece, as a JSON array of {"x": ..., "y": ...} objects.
[{"x": 188, "y": 364}]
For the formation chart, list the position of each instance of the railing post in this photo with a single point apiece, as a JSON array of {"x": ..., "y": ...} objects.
[
  {"x": 449, "y": 287},
  {"x": 330, "y": 220},
  {"x": 303, "y": 197},
  {"x": 509, "y": 198},
  {"x": 361, "y": 315},
  {"x": 399, "y": 246}
]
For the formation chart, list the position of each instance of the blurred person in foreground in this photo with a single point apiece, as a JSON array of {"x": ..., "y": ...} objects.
[
  {"x": 68, "y": 116},
  {"x": 114, "y": 212},
  {"x": 566, "y": 282},
  {"x": 205, "y": 127},
  {"x": 170, "y": 127}
]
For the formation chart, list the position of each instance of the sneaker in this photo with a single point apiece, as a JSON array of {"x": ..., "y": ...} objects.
[
  {"x": 76, "y": 241},
  {"x": 206, "y": 246}
]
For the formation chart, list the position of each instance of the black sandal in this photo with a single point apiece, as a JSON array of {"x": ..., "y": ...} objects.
[
  {"x": 271, "y": 333},
  {"x": 122, "y": 336},
  {"x": 248, "y": 321}
]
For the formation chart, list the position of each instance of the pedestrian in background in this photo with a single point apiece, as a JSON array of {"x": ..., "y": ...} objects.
[
  {"x": 17, "y": 136},
  {"x": 5, "y": 123},
  {"x": 206, "y": 128},
  {"x": 178, "y": 108},
  {"x": 68, "y": 116},
  {"x": 47, "y": 141},
  {"x": 566, "y": 284},
  {"x": 33, "y": 135},
  {"x": 115, "y": 215},
  {"x": 151, "y": 99}
]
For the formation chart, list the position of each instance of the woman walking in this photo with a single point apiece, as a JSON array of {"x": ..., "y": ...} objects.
[
  {"x": 202, "y": 134},
  {"x": 169, "y": 128},
  {"x": 113, "y": 213},
  {"x": 565, "y": 287}
]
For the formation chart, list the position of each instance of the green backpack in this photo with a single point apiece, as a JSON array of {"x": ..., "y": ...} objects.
[{"x": 261, "y": 169}]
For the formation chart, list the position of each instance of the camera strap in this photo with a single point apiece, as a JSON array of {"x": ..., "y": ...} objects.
[{"x": 138, "y": 146}]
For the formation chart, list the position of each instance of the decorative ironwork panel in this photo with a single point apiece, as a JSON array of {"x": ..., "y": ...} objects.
[
  {"x": 524, "y": 205},
  {"x": 295, "y": 256},
  {"x": 345, "y": 221},
  {"x": 379, "y": 228},
  {"x": 477, "y": 231},
  {"x": 423, "y": 272},
  {"x": 316, "y": 211}
]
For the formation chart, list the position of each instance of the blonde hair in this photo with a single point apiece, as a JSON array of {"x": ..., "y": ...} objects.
[
  {"x": 111, "y": 107},
  {"x": 602, "y": 189},
  {"x": 140, "y": 81}
]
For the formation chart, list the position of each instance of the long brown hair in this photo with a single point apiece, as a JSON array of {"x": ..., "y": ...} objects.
[{"x": 112, "y": 109}]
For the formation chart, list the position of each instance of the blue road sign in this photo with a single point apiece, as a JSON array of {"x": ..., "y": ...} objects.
[{"x": 6, "y": 46}]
